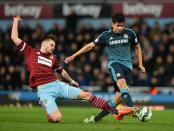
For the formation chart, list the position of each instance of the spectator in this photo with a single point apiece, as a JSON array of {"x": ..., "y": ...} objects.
[{"x": 157, "y": 44}]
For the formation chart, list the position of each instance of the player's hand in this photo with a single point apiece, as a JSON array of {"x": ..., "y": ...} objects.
[
  {"x": 142, "y": 69},
  {"x": 17, "y": 18},
  {"x": 68, "y": 59},
  {"x": 73, "y": 83}
]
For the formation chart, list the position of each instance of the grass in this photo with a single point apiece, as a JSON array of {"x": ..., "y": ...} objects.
[{"x": 33, "y": 119}]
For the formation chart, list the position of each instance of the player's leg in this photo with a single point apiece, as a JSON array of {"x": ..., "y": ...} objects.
[
  {"x": 54, "y": 117},
  {"x": 118, "y": 72},
  {"x": 97, "y": 102},
  {"x": 123, "y": 83},
  {"x": 52, "y": 112},
  {"x": 117, "y": 99},
  {"x": 125, "y": 92},
  {"x": 47, "y": 96},
  {"x": 113, "y": 103},
  {"x": 73, "y": 92},
  {"x": 104, "y": 113}
]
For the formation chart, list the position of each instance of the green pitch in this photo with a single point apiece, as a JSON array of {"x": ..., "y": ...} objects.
[{"x": 33, "y": 119}]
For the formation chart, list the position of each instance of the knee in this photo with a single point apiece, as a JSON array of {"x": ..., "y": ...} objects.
[
  {"x": 55, "y": 117},
  {"x": 118, "y": 95},
  {"x": 85, "y": 95},
  {"x": 122, "y": 83}
]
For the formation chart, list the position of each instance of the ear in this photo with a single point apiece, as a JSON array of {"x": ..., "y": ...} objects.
[
  {"x": 42, "y": 44},
  {"x": 113, "y": 24}
]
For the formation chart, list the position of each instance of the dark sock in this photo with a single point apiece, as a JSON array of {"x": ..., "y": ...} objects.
[
  {"x": 102, "y": 104},
  {"x": 100, "y": 115},
  {"x": 126, "y": 97},
  {"x": 104, "y": 113}
]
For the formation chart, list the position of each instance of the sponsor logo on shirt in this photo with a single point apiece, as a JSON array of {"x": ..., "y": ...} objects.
[
  {"x": 44, "y": 61},
  {"x": 114, "y": 42}
]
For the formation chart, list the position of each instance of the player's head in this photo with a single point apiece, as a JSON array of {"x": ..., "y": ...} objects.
[
  {"x": 48, "y": 43},
  {"x": 118, "y": 22}
]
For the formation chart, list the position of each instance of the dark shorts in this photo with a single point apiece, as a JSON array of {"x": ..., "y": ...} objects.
[{"x": 120, "y": 71}]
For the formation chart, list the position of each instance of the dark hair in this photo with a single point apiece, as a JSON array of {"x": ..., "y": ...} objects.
[
  {"x": 118, "y": 17},
  {"x": 48, "y": 37}
]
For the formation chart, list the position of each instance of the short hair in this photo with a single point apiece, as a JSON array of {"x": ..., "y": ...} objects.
[
  {"x": 48, "y": 37},
  {"x": 118, "y": 17}
]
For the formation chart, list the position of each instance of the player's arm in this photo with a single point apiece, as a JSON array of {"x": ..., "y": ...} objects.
[
  {"x": 14, "y": 32},
  {"x": 84, "y": 49},
  {"x": 66, "y": 77},
  {"x": 139, "y": 55}
]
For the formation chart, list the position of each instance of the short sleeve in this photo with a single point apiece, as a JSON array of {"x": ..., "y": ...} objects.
[
  {"x": 134, "y": 40},
  {"x": 24, "y": 48},
  {"x": 100, "y": 40}
]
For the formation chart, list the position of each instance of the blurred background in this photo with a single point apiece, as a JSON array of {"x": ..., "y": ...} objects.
[{"x": 78, "y": 22}]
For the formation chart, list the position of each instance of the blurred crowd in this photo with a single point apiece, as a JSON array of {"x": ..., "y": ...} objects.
[{"x": 157, "y": 44}]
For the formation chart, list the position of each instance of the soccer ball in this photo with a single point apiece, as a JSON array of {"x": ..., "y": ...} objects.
[{"x": 145, "y": 114}]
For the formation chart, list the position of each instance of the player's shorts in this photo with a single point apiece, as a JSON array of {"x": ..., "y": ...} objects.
[
  {"x": 120, "y": 71},
  {"x": 48, "y": 93}
]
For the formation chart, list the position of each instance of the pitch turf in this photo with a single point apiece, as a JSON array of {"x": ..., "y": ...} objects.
[{"x": 33, "y": 119}]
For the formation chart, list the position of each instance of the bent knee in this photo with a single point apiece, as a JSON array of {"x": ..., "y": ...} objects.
[
  {"x": 55, "y": 117},
  {"x": 85, "y": 95},
  {"x": 122, "y": 83}
]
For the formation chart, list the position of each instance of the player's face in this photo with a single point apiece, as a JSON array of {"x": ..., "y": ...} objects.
[
  {"x": 118, "y": 27},
  {"x": 50, "y": 46}
]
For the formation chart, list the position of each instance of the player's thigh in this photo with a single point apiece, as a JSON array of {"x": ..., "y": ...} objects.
[
  {"x": 128, "y": 76},
  {"x": 48, "y": 103},
  {"x": 68, "y": 91},
  {"x": 47, "y": 95},
  {"x": 117, "y": 73}
]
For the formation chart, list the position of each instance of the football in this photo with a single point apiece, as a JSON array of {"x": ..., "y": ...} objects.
[{"x": 145, "y": 114}]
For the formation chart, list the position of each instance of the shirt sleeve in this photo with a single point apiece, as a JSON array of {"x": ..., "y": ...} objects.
[
  {"x": 57, "y": 67},
  {"x": 100, "y": 40},
  {"x": 133, "y": 39},
  {"x": 24, "y": 48}
]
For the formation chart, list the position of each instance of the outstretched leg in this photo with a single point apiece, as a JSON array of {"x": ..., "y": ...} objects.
[
  {"x": 113, "y": 104},
  {"x": 97, "y": 102}
]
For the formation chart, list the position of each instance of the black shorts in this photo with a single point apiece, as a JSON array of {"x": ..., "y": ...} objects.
[{"x": 120, "y": 71}]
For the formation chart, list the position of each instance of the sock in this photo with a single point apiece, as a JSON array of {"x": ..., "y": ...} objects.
[
  {"x": 102, "y": 104},
  {"x": 104, "y": 113},
  {"x": 100, "y": 115},
  {"x": 126, "y": 97}
]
